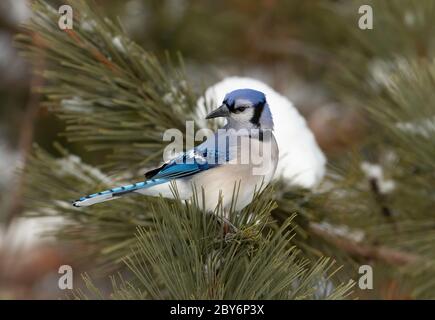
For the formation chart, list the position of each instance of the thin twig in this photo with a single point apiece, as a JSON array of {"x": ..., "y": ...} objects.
[{"x": 352, "y": 247}]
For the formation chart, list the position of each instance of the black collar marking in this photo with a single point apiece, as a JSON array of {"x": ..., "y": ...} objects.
[{"x": 258, "y": 110}]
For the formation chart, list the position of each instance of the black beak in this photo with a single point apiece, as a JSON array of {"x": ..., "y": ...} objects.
[{"x": 222, "y": 111}]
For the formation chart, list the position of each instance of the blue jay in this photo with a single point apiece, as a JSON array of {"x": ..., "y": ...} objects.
[{"x": 220, "y": 163}]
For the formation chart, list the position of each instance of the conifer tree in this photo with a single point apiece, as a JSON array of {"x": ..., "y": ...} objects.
[{"x": 375, "y": 207}]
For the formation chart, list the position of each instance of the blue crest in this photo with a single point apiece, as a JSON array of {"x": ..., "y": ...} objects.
[{"x": 256, "y": 97}]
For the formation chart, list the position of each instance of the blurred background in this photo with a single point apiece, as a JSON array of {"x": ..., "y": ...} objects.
[{"x": 310, "y": 51}]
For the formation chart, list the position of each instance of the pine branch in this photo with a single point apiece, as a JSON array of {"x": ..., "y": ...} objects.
[
  {"x": 26, "y": 138},
  {"x": 188, "y": 257},
  {"x": 111, "y": 93},
  {"x": 106, "y": 232}
]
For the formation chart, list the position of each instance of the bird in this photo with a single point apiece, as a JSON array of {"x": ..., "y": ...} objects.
[
  {"x": 219, "y": 165},
  {"x": 302, "y": 163}
]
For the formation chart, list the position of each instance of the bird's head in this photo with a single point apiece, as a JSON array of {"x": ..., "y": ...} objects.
[{"x": 244, "y": 109}]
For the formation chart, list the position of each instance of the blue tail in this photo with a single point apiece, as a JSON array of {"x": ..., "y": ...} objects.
[{"x": 115, "y": 193}]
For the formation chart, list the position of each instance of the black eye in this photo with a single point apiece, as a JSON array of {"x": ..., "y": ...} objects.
[{"x": 241, "y": 109}]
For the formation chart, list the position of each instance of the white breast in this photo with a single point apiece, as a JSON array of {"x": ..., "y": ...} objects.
[{"x": 222, "y": 180}]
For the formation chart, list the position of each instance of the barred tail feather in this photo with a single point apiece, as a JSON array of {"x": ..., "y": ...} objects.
[{"x": 115, "y": 193}]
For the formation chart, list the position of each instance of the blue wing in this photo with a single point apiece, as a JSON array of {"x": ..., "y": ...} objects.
[
  {"x": 194, "y": 161},
  {"x": 189, "y": 163}
]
